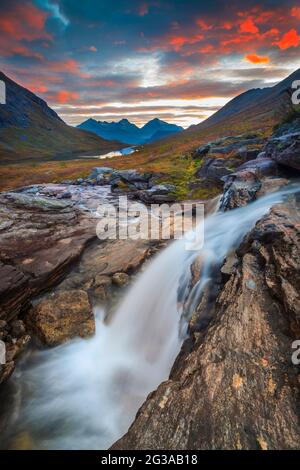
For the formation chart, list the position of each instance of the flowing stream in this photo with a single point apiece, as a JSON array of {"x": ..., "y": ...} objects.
[{"x": 85, "y": 394}]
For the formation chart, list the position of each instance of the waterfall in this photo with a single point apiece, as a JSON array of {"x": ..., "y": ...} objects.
[{"x": 85, "y": 394}]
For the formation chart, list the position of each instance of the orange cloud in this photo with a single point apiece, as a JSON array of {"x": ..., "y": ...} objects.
[
  {"x": 289, "y": 39},
  {"x": 227, "y": 25},
  {"x": 206, "y": 49},
  {"x": 179, "y": 41},
  {"x": 39, "y": 89},
  {"x": 256, "y": 59},
  {"x": 296, "y": 12},
  {"x": 248, "y": 26},
  {"x": 24, "y": 22},
  {"x": 9, "y": 48},
  {"x": 70, "y": 66},
  {"x": 63, "y": 96}
]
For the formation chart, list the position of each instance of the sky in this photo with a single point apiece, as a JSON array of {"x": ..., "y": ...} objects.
[{"x": 179, "y": 60}]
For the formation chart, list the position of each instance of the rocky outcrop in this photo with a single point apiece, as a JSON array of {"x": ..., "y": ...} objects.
[
  {"x": 236, "y": 386},
  {"x": 285, "y": 150},
  {"x": 240, "y": 188},
  {"x": 158, "y": 194},
  {"x": 62, "y": 316},
  {"x": 136, "y": 185},
  {"x": 223, "y": 157}
]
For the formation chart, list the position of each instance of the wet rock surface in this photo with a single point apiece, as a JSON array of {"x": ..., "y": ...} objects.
[{"x": 236, "y": 388}]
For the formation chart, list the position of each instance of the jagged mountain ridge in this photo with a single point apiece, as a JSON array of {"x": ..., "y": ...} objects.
[{"x": 129, "y": 133}]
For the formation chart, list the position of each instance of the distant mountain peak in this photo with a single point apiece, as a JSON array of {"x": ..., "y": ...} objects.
[{"x": 127, "y": 132}]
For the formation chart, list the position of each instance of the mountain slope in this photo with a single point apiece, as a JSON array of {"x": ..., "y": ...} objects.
[
  {"x": 128, "y": 132},
  {"x": 265, "y": 105},
  {"x": 29, "y": 129}
]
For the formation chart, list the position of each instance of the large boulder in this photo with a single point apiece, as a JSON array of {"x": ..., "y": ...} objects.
[
  {"x": 246, "y": 154},
  {"x": 261, "y": 166},
  {"x": 201, "y": 152},
  {"x": 102, "y": 170},
  {"x": 159, "y": 194},
  {"x": 285, "y": 150},
  {"x": 240, "y": 188},
  {"x": 213, "y": 168},
  {"x": 62, "y": 316}
]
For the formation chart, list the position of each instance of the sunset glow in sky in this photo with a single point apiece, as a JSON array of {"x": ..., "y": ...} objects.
[{"x": 177, "y": 60}]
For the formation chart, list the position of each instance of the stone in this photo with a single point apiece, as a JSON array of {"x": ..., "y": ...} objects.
[
  {"x": 285, "y": 150},
  {"x": 240, "y": 188},
  {"x": 120, "y": 279},
  {"x": 102, "y": 280},
  {"x": 201, "y": 151},
  {"x": 246, "y": 154},
  {"x": 159, "y": 193},
  {"x": 213, "y": 168},
  {"x": 17, "y": 328},
  {"x": 230, "y": 265},
  {"x": 101, "y": 288},
  {"x": 62, "y": 316},
  {"x": 100, "y": 171},
  {"x": 65, "y": 195},
  {"x": 261, "y": 166},
  {"x": 100, "y": 294}
]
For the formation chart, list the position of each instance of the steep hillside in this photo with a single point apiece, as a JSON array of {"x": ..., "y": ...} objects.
[
  {"x": 29, "y": 129},
  {"x": 264, "y": 105}
]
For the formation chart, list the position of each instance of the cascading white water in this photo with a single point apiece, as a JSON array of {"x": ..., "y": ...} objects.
[{"x": 84, "y": 394}]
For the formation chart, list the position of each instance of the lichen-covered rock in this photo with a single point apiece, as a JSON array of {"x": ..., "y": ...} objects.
[
  {"x": 62, "y": 316},
  {"x": 120, "y": 279}
]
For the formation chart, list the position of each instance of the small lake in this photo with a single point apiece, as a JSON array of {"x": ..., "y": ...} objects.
[{"x": 117, "y": 153}]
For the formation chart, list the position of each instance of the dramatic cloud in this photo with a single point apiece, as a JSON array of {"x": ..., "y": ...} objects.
[
  {"x": 289, "y": 39},
  {"x": 248, "y": 26},
  {"x": 64, "y": 96},
  {"x": 145, "y": 58},
  {"x": 256, "y": 59}
]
